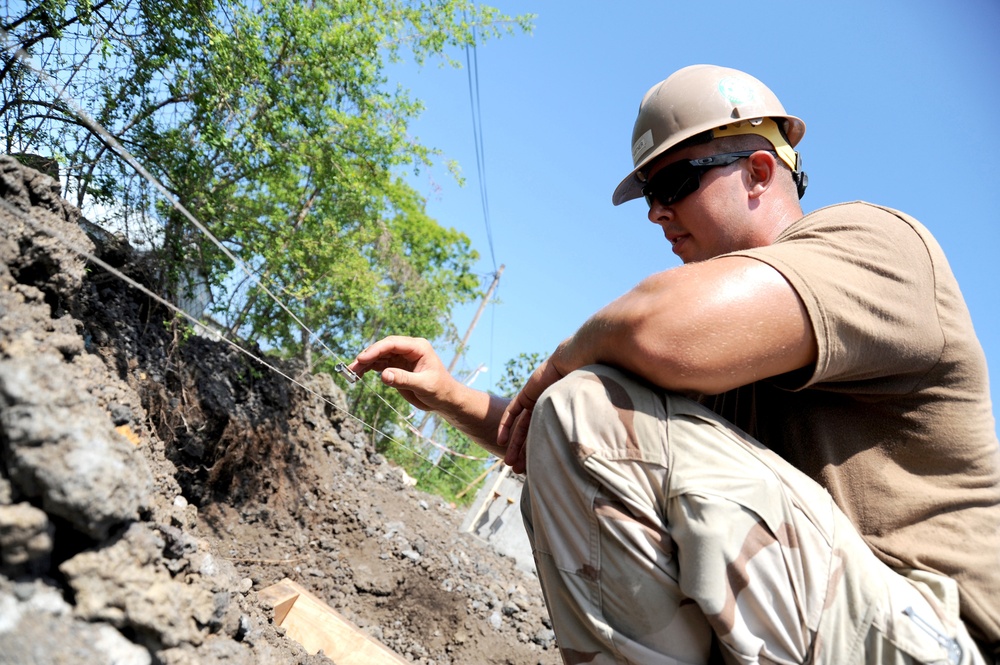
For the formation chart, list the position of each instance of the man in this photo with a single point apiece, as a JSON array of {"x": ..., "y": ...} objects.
[{"x": 831, "y": 493}]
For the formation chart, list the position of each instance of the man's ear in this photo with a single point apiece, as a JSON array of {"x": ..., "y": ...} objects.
[{"x": 761, "y": 173}]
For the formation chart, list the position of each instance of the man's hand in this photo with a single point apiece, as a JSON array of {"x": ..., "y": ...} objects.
[
  {"x": 411, "y": 366},
  {"x": 517, "y": 416}
]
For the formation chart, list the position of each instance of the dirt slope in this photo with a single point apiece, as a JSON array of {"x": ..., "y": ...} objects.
[{"x": 152, "y": 482}]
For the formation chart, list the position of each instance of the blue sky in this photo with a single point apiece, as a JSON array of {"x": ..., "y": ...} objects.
[{"x": 900, "y": 100}]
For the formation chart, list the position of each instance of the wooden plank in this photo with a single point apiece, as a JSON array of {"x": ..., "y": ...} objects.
[
  {"x": 317, "y": 626},
  {"x": 282, "y": 597}
]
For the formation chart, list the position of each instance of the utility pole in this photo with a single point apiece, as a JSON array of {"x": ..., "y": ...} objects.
[
  {"x": 475, "y": 319},
  {"x": 468, "y": 334}
]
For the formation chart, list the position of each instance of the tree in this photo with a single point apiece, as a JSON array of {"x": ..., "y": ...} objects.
[
  {"x": 516, "y": 373},
  {"x": 114, "y": 58},
  {"x": 275, "y": 125}
]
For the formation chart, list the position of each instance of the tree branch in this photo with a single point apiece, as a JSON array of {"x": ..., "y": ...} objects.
[{"x": 49, "y": 32}]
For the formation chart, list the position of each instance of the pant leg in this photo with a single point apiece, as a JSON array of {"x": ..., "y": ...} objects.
[{"x": 655, "y": 525}]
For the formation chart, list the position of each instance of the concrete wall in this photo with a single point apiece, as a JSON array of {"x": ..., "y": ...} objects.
[{"x": 495, "y": 516}]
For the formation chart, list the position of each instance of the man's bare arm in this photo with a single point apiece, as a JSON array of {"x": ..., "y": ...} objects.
[
  {"x": 704, "y": 327},
  {"x": 412, "y": 367}
]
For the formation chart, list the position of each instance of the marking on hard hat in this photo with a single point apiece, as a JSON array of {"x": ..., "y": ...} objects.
[
  {"x": 736, "y": 90},
  {"x": 642, "y": 144}
]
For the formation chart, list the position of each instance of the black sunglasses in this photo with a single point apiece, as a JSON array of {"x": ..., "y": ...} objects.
[{"x": 672, "y": 183}]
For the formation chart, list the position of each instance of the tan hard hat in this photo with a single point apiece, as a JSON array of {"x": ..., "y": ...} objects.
[{"x": 697, "y": 99}]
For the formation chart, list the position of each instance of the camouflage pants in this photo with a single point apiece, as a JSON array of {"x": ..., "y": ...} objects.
[{"x": 656, "y": 526}]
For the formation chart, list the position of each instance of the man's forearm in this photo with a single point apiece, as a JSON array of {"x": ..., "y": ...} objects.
[{"x": 477, "y": 415}]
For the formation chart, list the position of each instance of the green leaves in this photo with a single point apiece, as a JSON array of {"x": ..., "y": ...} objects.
[
  {"x": 306, "y": 142},
  {"x": 517, "y": 371},
  {"x": 275, "y": 124}
]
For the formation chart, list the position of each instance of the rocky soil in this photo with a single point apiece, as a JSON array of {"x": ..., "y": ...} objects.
[{"x": 151, "y": 483}]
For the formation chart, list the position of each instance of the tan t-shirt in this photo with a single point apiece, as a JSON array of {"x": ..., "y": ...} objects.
[{"x": 895, "y": 418}]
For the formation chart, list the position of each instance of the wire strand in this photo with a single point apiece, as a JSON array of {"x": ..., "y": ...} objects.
[
  {"x": 116, "y": 148},
  {"x": 143, "y": 289},
  {"x": 472, "y": 72}
]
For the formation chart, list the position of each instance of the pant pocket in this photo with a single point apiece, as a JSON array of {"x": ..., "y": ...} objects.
[{"x": 918, "y": 622}]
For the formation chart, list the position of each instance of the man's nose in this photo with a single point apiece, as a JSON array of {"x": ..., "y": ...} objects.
[{"x": 659, "y": 213}]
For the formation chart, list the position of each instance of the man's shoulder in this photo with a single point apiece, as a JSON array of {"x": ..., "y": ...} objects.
[
  {"x": 856, "y": 218},
  {"x": 857, "y": 212},
  {"x": 851, "y": 241}
]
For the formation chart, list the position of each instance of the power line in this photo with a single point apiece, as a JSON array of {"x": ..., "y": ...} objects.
[{"x": 472, "y": 71}]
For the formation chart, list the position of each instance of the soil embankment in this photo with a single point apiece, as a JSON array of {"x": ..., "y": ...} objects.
[{"x": 152, "y": 482}]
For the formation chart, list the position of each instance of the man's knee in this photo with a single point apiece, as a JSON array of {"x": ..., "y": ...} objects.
[
  {"x": 557, "y": 417},
  {"x": 603, "y": 410},
  {"x": 569, "y": 388}
]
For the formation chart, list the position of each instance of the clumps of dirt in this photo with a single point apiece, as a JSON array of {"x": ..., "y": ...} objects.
[
  {"x": 222, "y": 417},
  {"x": 152, "y": 482}
]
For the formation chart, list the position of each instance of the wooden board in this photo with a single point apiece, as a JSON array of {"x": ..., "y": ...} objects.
[{"x": 317, "y": 626}]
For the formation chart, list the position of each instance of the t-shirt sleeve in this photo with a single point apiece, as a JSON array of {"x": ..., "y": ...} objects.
[{"x": 866, "y": 278}]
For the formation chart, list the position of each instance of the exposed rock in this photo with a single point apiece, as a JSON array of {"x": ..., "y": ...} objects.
[
  {"x": 25, "y": 539},
  {"x": 42, "y": 629},
  {"x": 63, "y": 451}
]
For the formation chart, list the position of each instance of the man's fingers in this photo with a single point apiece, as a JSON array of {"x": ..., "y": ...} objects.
[
  {"x": 513, "y": 452},
  {"x": 510, "y": 414},
  {"x": 396, "y": 351},
  {"x": 516, "y": 456},
  {"x": 400, "y": 379},
  {"x": 411, "y": 348},
  {"x": 412, "y": 398}
]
